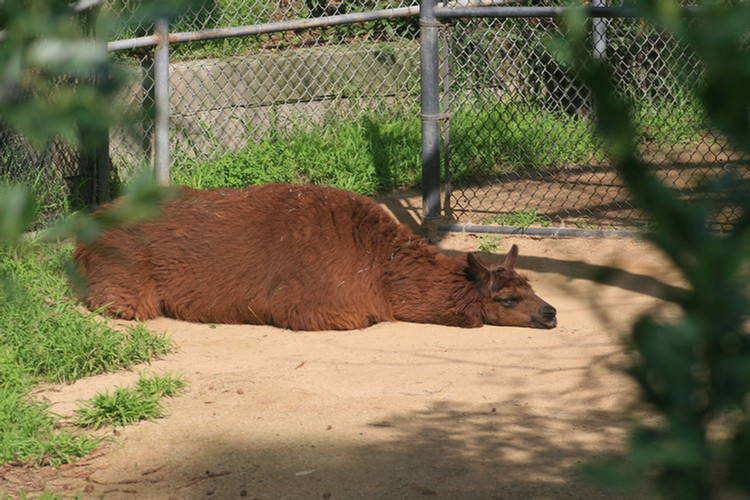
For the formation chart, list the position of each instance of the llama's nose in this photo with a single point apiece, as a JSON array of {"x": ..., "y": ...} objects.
[
  {"x": 547, "y": 317},
  {"x": 547, "y": 312}
]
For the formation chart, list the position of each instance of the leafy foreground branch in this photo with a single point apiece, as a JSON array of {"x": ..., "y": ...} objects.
[
  {"x": 693, "y": 371},
  {"x": 50, "y": 89}
]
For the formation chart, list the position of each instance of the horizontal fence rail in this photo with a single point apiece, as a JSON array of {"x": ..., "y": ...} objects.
[
  {"x": 337, "y": 20},
  {"x": 532, "y": 11},
  {"x": 265, "y": 28}
]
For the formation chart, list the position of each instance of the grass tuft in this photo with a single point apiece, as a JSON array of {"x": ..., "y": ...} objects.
[
  {"x": 489, "y": 244},
  {"x": 160, "y": 386},
  {"x": 126, "y": 405},
  {"x": 523, "y": 219}
]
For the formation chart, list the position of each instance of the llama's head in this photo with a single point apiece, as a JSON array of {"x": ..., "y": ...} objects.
[{"x": 509, "y": 299}]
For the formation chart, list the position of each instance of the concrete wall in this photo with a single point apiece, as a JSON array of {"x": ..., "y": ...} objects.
[
  {"x": 222, "y": 104},
  {"x": 236, "y": 100}
]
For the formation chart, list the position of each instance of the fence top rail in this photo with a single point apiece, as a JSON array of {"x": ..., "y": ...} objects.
[
  {"x": 446, "y": 10},
  {"x": 259, "y": 29},
  {"x": 532, "y": 11}
]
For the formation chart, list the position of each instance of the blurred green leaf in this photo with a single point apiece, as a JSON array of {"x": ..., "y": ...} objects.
[
  {"x": 141, "y": 200},
  {"x": 17, "y": 209}
]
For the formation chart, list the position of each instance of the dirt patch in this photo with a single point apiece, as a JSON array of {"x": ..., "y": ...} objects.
[{"x": 397, "y": 410}]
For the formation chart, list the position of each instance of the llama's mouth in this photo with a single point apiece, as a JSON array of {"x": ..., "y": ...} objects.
[{"x": 545, "y": 323}]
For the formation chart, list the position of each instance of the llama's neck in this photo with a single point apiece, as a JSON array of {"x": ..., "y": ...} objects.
[{"x": 427, "y": 287}]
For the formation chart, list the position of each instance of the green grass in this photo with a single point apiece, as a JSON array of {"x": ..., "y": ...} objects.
[
  {"x": 663, "y": 124},
  {"x": 489, "y": 244},
  {"x": 43, "y": 337},
  {"x": 376, "y": 155},
  {"x": 523, "y": 219},
  {"x": 45, "y": 496},
  {"x": 500, "y": 138},
  {"x": 366, "y": 156},
  {"x": 129, "y": 405}
]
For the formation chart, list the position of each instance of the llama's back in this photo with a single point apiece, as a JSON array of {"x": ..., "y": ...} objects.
[{"x": 301, "y": 257}]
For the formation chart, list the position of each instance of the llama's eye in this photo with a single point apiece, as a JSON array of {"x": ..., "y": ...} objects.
[{"x": 508, "y": 301}]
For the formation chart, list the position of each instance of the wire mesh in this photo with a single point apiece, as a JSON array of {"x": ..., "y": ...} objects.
[
  {"x": 51, "y": 170},
  {"x": 523, "y": 150}
]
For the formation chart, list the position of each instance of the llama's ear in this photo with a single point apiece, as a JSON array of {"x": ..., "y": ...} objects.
[
  {"x": 477, "y": 268},
  {"x": 510, "y": 259}
]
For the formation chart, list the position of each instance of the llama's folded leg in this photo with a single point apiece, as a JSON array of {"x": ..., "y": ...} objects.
[
  {"x": 122, "y": 302},
  {"x": 324, "y": 318}
]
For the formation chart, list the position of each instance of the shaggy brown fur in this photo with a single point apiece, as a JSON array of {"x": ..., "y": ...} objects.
[{"x": 297, "y": 256}]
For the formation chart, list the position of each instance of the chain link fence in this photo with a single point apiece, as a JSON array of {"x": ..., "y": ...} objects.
[
  {"x": 52, "y": 171},
  {"x": 521, "y": 150},
  {"x": 522, "y": 147}
]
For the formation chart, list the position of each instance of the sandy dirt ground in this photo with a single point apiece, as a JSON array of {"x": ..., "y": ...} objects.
[{"x": 396, "y": 411}]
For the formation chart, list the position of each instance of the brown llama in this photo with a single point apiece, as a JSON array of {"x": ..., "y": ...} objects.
[{"x": 301, "y": 257}]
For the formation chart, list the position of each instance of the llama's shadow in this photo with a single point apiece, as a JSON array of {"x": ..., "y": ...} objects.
[
  {"x": 604, "y": 275},
  {"x": 406, "y": 207}
]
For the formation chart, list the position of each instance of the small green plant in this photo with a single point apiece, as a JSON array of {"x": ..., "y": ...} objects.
[
  {"x": 489, "y": 244},
  {"x": 126, "y": 405},
  {"x": 523, "y": 219},
  {"x": 46, "y": 495},
  {"x": 160, "y": 386}
]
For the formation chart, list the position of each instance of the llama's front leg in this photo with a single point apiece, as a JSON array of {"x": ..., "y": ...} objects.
[
  {"x": 325, "y": 318},
  {"x": 122, "y": 302}
]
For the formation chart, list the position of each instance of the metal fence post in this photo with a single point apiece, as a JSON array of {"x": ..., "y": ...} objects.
[
  {"x": 161, "y": 104},
  {"x": 430, "y": 81},
  {"x": 599, "y": 34},
  {"x": 101, "y": 152},
  {"x": 94, "y": 167},
  {"x": 446, "y": 73}
]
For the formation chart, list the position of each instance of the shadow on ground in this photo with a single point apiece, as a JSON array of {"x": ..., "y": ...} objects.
[{"x": 448, "y": 451}]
